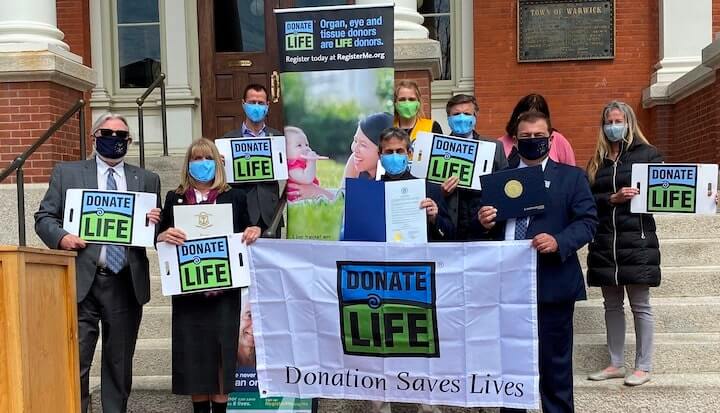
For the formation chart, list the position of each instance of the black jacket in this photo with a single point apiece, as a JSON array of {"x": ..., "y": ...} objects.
[
  {"x": 236, "y": 197},
  {"x": 443, "y": 229},
  {"x": 625, "y": 249},
  {"x": 460, "y": 203}
]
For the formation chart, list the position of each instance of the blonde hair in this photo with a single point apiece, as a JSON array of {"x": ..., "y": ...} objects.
[
  {"x": 409, "y": 84},
  {"x": 202, "y": 147},
  {"x": 602, "y": 149}
]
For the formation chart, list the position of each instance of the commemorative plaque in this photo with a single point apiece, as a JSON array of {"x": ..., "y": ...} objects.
[{"x": 565, "y": 30}]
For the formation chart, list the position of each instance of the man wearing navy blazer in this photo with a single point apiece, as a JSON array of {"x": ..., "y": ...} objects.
[{"x": 568, "y": 223}]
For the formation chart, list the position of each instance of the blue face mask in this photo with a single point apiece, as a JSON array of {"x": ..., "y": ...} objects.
[
  {"x": 394, "y": 163},
  {"x": 615, "y": 132},
  {"x": 202, "y": 170},
  {"x": 255, "y": 111},
  {"x": 461, "y": 124}
]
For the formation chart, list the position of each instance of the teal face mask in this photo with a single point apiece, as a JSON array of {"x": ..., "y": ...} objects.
[{"x": 202, "y": 170}]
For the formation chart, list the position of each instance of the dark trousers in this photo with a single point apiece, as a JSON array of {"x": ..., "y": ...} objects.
[
  {"x": 110, "y": 303},
  {"x": 555, "y": 327}
]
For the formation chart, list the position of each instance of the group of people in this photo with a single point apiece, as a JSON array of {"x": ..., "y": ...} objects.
[{"x": 592, "y": 208}]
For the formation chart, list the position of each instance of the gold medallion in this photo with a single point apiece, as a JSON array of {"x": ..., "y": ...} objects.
[{"x": 513, "y": 189}]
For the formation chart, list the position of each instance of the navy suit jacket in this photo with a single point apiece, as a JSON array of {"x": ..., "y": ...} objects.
[{"x": 570, "y": 217}]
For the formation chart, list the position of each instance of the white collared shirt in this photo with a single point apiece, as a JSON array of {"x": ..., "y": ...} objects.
[
  {"x": 102, "y": 177},
  {"x": 510, "y": 226}
]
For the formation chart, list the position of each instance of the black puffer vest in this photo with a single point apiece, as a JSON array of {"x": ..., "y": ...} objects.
[{"x": 625, "y": 249}]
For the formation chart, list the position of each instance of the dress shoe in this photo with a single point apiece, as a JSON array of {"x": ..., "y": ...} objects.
[
  {"x": 601, "y": 375},
  {"x": 635, "y": 380}
]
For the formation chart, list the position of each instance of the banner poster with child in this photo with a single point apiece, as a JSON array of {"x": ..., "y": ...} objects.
[
  {"x": 442, "y": 323},
  {"x": 336, "y": 67}
]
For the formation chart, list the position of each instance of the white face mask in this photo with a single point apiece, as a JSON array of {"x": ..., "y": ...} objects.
[{"x": 615, "y": 132}]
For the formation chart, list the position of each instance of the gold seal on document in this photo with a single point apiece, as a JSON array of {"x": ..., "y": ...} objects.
[{"x": 513, "y": 189}]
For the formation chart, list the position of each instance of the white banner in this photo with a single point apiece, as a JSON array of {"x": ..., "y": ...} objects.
[
  {"x": 445, "y": 323},
  {"x": 110, "y": 217},
  {"x": 203, "y": 264}
]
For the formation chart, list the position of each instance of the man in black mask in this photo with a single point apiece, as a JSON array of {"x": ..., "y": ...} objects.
[{"x": 113, "y": 281}]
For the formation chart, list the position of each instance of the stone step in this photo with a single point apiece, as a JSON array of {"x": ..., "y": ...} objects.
[
  {"x": 156, "y": 322},
  {"x": 681, "y": 282},
  {"x": 687, "y": 226},
  {"x": 152, "y": 358},
  {"x": 672, "y": 315},
  {"x": 682, "y": 252},
  {"x": 674, "y": 352},
  {"x": 665, "y": 393}
]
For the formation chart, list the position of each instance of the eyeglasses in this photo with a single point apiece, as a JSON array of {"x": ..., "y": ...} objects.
[{"x": 106, "y": 133}]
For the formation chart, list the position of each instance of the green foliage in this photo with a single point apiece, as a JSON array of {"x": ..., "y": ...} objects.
[{"x": 385, "y": 87}]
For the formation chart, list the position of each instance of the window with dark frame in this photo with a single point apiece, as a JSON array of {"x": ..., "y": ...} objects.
[
  {"x": 437, "y": 14},
  {"x": 138, "y": 41}
]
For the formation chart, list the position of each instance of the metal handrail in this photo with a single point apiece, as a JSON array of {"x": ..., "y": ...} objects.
[
  {"x": 17, "y": 164},
  {"x": 277, "y": 216},
  {"x": 160, "y": 81}
]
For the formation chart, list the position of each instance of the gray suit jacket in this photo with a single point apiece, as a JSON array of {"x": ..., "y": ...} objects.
[
  {"x": 262, "y": 197},
  {"x": 49, "y": 220}
]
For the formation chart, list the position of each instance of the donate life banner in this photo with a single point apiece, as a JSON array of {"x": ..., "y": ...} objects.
[
  {"x": 438, "y": 157},
  {"x": 446, "y": 323},
  {"x": 110, "y": 217},
  {"x": 675, "y": 188},
  {"x": 254, "y": 160},
  {"x": 336, "y": 68}
]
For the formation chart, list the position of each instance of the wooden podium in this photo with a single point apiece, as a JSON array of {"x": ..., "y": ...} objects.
[{"x": 39, "y": 368}]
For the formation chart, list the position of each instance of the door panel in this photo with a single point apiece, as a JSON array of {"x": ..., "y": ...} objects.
[{"x": 238, "y": 46}]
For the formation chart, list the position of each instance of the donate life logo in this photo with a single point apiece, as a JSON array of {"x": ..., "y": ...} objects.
[
  {"x": 107, "y": 217},
  {"x": 204, "y": 264},
  {"x": 299, "y": 35},
  {"x": 672, "y": 188},
  {"x": 387, "y": 309},
  {"x": 252, "y": 160},
  {"x": 452, "y": 157}
]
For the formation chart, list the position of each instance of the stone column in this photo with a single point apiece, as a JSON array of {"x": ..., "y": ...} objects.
[
  {"x": 685, "y": 29},
  {"x": 40, "y": 79},
  {"x": 417, "y": 57},
  {"x": 30, "y": 21}
]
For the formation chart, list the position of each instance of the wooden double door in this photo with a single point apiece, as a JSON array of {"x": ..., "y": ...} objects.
[{"x": 238, "y": 45}]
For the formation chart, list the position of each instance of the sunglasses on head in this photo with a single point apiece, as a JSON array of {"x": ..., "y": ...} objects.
[{"x": 106, "y": 133}]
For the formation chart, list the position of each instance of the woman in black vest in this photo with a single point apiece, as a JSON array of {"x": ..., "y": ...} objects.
[{"x": 625, "y": 254}]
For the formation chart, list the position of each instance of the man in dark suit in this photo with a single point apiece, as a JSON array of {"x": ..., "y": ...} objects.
[
  {"x": 462, "y": 113},
  {"x": 568, "y": 223},
  {"x": 113, "y": 282},
  {"x": 262, "y": 197}
]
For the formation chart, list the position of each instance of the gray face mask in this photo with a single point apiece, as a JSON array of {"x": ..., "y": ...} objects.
[{"x": 615, "y": 132}]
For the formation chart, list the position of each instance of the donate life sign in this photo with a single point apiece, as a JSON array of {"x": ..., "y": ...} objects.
[
  {"x": 437, "y": 157},
  {"x": 110, "y": 217},
  {"x": 446, "y": 323},
  {"x": 203, "y": 264},
  {"x": 675, "y": 188},
  {"x": 254, "y": 159}
]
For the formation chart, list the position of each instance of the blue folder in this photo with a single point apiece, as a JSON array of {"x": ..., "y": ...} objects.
[
  {"x": 364, "y": 210},
  {"x": 515, "y": 193}
]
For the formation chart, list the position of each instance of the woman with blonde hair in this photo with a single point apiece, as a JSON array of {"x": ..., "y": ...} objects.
[
  {"x": 409, "y": 114},
  {"x": 625, "y": 254},
  {"x": 205, "y": 326}
]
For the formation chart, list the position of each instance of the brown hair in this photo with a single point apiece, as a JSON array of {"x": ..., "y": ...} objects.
[
  {"x": 532, "y": 116},
  {"x": 202, "y": 147},
  {"x": 409, "y": 84},
  {"x": 460, "y": 99}
]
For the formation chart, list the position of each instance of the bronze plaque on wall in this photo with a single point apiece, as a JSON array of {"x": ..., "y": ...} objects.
[{"x": 565, "y": 30}]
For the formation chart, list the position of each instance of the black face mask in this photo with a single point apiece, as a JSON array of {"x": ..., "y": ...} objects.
[
  {"x": 534, "y": 148},
  {"x": 111, "y": 147}
]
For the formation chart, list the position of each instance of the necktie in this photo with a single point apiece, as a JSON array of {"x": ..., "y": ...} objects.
[
  {"x": 521, "y": 227},
  {"x": 114, "y": 254}
]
